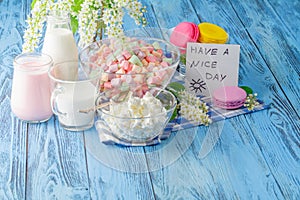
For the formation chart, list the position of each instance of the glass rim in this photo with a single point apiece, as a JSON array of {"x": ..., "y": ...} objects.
[
  {"x": 35, "y": 55},
  {"x": 172, "y": 107},
  {"x": 175, "y": 50},
  {"x": 88, "y": 79},
  {"x": 58, "y": 15}
]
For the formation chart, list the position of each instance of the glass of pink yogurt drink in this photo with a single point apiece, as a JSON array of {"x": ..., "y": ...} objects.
[{"x": 30, "y": 96}]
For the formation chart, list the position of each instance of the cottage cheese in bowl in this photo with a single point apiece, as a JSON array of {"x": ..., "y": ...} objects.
[{"x": 139, "y": 119}]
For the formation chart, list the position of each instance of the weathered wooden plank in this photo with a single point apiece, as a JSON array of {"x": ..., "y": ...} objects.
[
  {"x": 275, "y": 43},
  {"x": 169, "y": 13},
  {"x": 234, "y": 169},
  {"x": 219, "y": 14},
  {"x": 13, "y": 133},
  {"x": 12, "y": 153},
  {"x": 56, "y": 166},
  {"x": 116, "y": 172},
  {"x": 166, "y": 183},
  {"x": 269, "y": 166},
  {"x": 278, "y": 134},
  {"x": 278, "y": 138},
  {"x": 288, "y": 12},
  {"x": 254, "y": 70},
  {"x": 108, "y": 183}
]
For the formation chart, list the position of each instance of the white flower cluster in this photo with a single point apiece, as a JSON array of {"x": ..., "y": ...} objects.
[
  {"x": 251, "y": 101},
  {"x": 87, "y": 21},
  {"x": 88, "y": 13},
  {"x": 60, "y": 5},
  {"x": 35, "y": 26},
  {"x": 193, "y": 109},
  {"x": 111, "y": 14},
  {"x": 36, "y": 20}
]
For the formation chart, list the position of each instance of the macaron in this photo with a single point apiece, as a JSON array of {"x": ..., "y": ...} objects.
[
  {"x": 212, "y": 33},
  {"x": 183, "y": 33},
  {"x": 229, "y": 97}
]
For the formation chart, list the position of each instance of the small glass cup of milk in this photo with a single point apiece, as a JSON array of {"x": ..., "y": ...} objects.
[
  {"x": 75, "y": 87},
  {"x": 30, "y": 96}
]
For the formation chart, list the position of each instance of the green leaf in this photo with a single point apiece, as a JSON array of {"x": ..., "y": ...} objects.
[
  {"x": 247, "y": 89},
  {"x": 183, "y": 59},
  {"x": 33, "y": 3},
  {"x": 74, "y": 24},
  {"x": 76, "y": 7},
  {"x": 175, "y": 87},
  {"x": 174, "y": 115}
]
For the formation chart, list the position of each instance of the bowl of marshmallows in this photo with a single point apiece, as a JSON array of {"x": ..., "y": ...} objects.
[{"x": 133, "y": 104}]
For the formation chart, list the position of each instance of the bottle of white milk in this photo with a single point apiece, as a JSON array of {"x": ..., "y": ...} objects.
[{"x": 59, "y": 41}]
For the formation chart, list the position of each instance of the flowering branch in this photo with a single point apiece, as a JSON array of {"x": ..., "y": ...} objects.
[
  {"x": 88, "y": 17},
  {"x": 190, "y": 106},
  {"x": 251, "y": 101},
  {"x": 193, "y": 109},
  {"x": 35, "y": 26}
]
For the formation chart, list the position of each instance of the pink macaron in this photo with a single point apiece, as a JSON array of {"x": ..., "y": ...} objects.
[
  {"x": 183, "y": 33},
  {"x": 229, "y": 97}
]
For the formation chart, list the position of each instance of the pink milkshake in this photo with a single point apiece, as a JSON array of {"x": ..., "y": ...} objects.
[{"x": 30, "y": 97}]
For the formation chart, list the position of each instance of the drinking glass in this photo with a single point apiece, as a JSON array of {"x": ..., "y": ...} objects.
[
  {"x": 30, "y": 96},
  {"x": 75, "y": 87}
]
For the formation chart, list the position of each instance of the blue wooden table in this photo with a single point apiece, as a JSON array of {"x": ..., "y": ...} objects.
[{"x": 256, "y": 157}]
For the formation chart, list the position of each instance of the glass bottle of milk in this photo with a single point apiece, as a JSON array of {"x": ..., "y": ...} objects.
[{"x": 59, "y": 41}]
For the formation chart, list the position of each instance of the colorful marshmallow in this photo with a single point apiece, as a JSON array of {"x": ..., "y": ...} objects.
[{"x": 134, "y": 66}]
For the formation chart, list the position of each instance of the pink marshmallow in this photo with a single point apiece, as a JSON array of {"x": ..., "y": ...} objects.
[
  {"x": 104, "y": 66},
  {"x": 141, "y": 55},
  {"x": 107, "y": 50},
  {"x": 145, "y": 62},
  {"x": 111, "y": 76},
  {"x": 160, "y": 51},
  {"x": 139, "y": 92},
  {"x": 145, "y": 88},
  {"x": 113, "y": 68},
  {"x": 154, "y": 80},
  {"x": 126, "y": 55},
  {"x": 116, "y": 82},
  {"x": 150, "y": 48},
  {"x": 107, "y": 85},
  {"x": 120, "y": 58},
  {"x": 164, "y": 64},
  {"x": 126, "y": 65},
  {"x": 151, "y": 58}
]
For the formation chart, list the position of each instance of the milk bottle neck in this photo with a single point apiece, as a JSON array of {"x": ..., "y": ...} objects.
[{"x": 58, "y": 20}]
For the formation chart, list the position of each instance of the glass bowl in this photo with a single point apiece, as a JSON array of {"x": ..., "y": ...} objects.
[
  {"x": 164, "y": 34},
  {"x": 134, "y": 64},
  {"x": 136, "y": 119}
]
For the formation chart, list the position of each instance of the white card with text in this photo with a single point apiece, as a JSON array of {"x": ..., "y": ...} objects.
[{"x": 210, "y": 66}]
